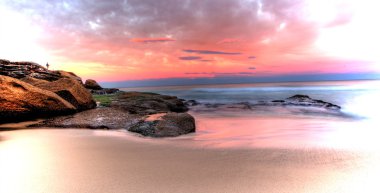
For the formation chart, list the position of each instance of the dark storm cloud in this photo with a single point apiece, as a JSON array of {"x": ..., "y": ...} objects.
[
  {"x": 211, "y": 52},
  {"x": 190, "y": 58}
]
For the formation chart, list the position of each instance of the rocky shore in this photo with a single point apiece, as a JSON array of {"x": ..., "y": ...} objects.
[
  {"x": 29, "y": 91},
  {"x": 148, "y": 114}
]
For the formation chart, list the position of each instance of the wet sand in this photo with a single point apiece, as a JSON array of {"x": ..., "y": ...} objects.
[{"x": 68, "y": 160}]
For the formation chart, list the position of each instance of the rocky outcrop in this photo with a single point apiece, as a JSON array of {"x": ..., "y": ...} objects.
[
  {"x": 70, "y": 89},
  {"x": 168, "y": 125},
  {"x": 28, "y": 90},
  {"x": 123, "y": 115},
  {"x": 148, "y": 103},
  {"x": 19, "y": 100},
  {"x": 65, "y": 85},
  {"x": 92, "y": 84}
]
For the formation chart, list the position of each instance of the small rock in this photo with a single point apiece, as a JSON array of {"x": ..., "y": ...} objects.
[{"x": 92, "y": 84}]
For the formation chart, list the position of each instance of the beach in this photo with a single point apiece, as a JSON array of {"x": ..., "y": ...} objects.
[{"x": 72, "y": 160}]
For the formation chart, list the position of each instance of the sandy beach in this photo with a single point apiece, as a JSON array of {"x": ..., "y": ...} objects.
[{"x": 68, "y": 160}]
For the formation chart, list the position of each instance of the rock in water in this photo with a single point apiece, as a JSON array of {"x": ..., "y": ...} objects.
[
  {"x": 169, "y": 125},
  {"x": 19, "y": 100},
  {"x": 92, "y": 84},
  {"x": 304, "y": 100}
]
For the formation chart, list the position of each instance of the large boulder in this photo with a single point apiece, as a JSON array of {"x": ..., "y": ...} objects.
[
  {"x": 168, "y": 125},
  {"x": 69, "y": 88},
  {"x": 19, "y": 100}
]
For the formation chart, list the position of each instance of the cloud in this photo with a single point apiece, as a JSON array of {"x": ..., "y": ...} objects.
[
  {"x": 252, "y": 57},
  {"x": 113, "y": 33},
  {"x": 251, "y": 68},
  {"x": 151, "y": 40},
  {"x": 211, "y": 52},
  {"x": 190, "y": 58},
  {"x": 229, "y": 41},
  {"x": 205, "y": 60}
]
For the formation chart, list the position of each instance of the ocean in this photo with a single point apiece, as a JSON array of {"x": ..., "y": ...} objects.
[{"x": 282, "y": 127}]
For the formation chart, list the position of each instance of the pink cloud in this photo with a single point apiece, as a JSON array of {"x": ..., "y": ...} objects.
[
  {"x": 229, "y": 41},
  {"x": 151, "y": 40}
]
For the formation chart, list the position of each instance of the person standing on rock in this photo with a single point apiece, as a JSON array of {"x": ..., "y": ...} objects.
[{"x": 47, "y": 66}]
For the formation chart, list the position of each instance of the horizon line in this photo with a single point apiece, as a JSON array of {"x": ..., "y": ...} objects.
[{"x": 186, "y": 81}]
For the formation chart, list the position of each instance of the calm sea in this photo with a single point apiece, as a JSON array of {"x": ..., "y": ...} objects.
[{"x": 355, "y": 127}]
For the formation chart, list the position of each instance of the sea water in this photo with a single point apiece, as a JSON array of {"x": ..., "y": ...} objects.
[{"x": 355, "y": 126}]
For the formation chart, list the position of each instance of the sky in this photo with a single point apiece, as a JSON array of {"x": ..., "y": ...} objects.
[{"x": 156, "y": 40}]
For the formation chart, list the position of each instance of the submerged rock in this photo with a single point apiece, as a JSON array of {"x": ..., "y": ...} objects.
[
  {"x": 19, "y": 100},
  {"x": 169, "y": 125}
]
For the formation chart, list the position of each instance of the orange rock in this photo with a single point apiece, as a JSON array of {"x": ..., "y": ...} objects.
[{"x": 19, "y": 100}]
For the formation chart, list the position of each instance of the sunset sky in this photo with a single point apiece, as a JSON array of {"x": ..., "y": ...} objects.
[{"x": 157, "y": 39}]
